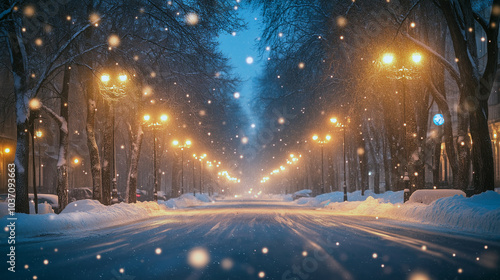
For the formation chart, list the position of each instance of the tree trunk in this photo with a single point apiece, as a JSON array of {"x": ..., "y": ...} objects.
[
  {"x": 135, "y": 151},
  {"x": 18, "y": 61},
  {"x": 107, "y": 155}
]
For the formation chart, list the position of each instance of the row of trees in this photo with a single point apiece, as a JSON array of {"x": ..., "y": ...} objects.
[
  {"x": 57, "y": 50},
  {"x": 325, "y": 60}
]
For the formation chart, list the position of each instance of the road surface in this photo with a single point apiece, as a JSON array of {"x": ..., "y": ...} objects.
[{"x": 259, "y": 240}]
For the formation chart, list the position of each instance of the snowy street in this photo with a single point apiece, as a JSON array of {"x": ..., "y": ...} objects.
[{"x": 259, "y": 239}]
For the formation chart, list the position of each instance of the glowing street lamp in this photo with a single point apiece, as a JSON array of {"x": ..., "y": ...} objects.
[
  {"x": 321, "y": 143},
  {"x": 112, "y": 86},
  {"x": 186, "y": 145},
  {"x": 154, "y": 124},
  {"x": 337, "y": 124},
  {"x": 401, "y": 72}
]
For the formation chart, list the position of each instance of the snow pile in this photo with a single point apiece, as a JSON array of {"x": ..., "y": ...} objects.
[
  {"x": 324, "y": 199},
  {"x": 91, "y": 215},
  {"x": 478, "y": 214},
  {"x": 86, "y": 215},
  {"x": 186, "y": 200},
  {"x": 428, "y": 196}
]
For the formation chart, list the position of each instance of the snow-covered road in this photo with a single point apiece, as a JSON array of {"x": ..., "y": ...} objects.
[{"x": 259, "y": 239}]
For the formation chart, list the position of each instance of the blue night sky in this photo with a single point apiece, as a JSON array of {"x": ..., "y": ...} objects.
[{"x": 238, "y": 48}]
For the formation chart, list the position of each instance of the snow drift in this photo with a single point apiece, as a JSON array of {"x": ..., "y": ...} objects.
[
  {"x": 91, "y": 215},
  {"x": 477, "y": 214}
]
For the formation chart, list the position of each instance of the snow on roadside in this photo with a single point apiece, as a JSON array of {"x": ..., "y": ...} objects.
[
  {"x": 323, "y": 199},
  {"x": 478, "y": 214},
  {"x": 91, "y": 215},
  {"x": 186, "y": 200}
]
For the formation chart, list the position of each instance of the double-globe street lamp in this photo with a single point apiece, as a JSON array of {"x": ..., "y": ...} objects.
[
  {"x": 403, "y": 72},
  {"x": 155, "y": 124},
  {"x": 112, "y": 86},
  {"x": 186, "y": 145},
  {"x": 322, "y": 142},
  {"x": 343, "y": 127}
]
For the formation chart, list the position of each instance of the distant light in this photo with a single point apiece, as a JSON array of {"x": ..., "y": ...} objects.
[
  {"x": 105, "y": 78},
  {"x": 388, "y": 58},
  {"x": 147, "y": 117},
  {"x": 328, "y": 137},
  {"x": 416, "y": 57},
  {"x": 249, "y": 60},
  {"x": 123, "y": 78},
  {"x": 438, "y": 119},
  {"x": 175, "y": 142},
  {"x": 236, "y": 95},
  {"x": 252, "y": 125},
  {"x": 7, "y": 150},
  {"x": 163, "y": 118},
  {"x": 188, "y": 142}
]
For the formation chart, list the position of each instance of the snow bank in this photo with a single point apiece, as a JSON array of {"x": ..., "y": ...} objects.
[
  {"x": 91, "y": 215},
  {"x": 324, "y": 199},
  {"x": 428, "y": 196},
  {"x": 477, "y": 214},
  {"x": 186, "y": 200}
]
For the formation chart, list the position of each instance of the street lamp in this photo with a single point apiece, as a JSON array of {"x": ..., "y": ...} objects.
[
  {"x": 402, "y": 72},
  {"x": 200, "y": 158},
  {"x": 337, "y": 124},
  {"x": 321, "y": 143},
  {"x": 186, "y": 145},
  {"x": 155, "y": 124},
  {"x": 39, "y": 134},
  {"x": 112, "y": 86},
  {"x": 76, "y": 162}
]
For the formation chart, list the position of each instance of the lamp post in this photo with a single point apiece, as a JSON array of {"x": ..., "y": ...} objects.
[
  {"x": 401, "y": 72},
  {"x": 155, "y": 124},
  {"x": 186, "y": 145},
  {"x": 337, "y": 124},
  {"x": 112, "y": 87},
  {"x": 321, "y": 143}
]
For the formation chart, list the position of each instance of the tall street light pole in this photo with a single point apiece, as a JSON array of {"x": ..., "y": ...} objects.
[
  {"x": 403, "y": 73},
  {"x": 186, "y": 145},
  {"x": 339, "y": 125},
  {"x": 113, "y": 89},
  {"x": 155, "y": 124},
  {"x": 322, "y": 142}
]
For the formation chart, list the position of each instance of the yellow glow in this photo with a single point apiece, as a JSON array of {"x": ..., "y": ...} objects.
[
  {"x": 175, "y": 143},
  {"x": 315, "y": 137},
  {"x": 147, "y": 117},
  {"x": 35, "y": 104},
  {"x": 105, "y": 78},
  {"x": 416, "y": 57},
  {"x": 7, "y": 150},
  {"x": 164, "y": 118},
  {"x": 123, "y": 78},
  {"x": 188, "y": 142},
  {"x": 76, "y": 161},
  {"x": 292, "y": 155},
  {"x": 388, "y": 58},
  {"x": 333, "y": 120},
  {"x": 328, "y": 137}
]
